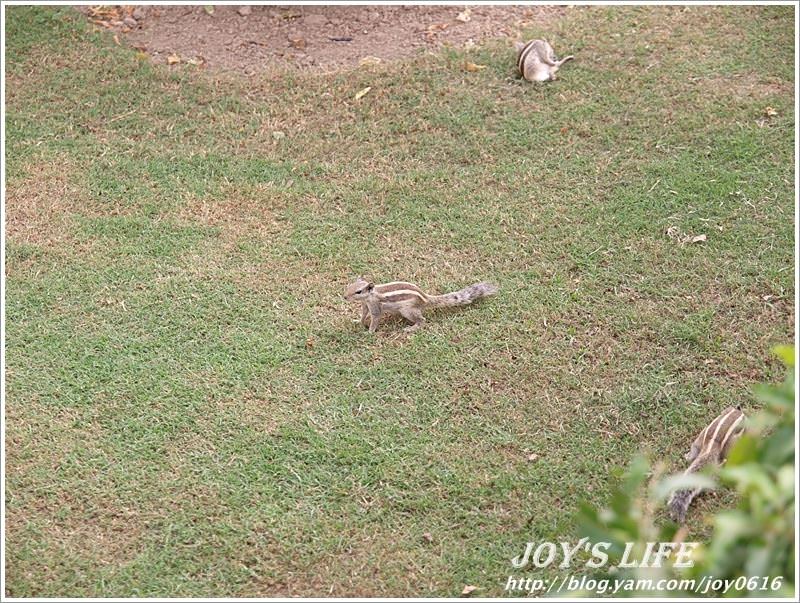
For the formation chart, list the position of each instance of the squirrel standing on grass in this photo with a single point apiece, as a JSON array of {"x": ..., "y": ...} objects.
[
  {"x": 407, "y": 300},
  {"x": 711, "y": 446}
]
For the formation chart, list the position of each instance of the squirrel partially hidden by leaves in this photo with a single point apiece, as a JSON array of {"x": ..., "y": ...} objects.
[
  {"x": 407, "y": 300},
  {"x": 710, "y": 446},
  {"x": 537, "y": 62}
]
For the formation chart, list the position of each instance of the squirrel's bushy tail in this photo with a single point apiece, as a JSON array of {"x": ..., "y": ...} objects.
[
  {"x": 679, "y": 503},
  {"x": 465, "y": 296},
  {"x": 681, "y": 499}
]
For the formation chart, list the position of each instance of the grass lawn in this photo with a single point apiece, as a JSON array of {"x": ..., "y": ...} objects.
[{"x": 190, "y": 410}]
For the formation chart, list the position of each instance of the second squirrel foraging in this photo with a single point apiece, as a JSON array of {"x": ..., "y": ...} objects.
[{"x": 537, "y": 62}]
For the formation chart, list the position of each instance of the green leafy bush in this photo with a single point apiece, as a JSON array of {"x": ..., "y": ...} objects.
[{"x": 754, "y": 539}]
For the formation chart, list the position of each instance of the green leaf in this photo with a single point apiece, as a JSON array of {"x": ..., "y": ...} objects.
[
  {"x": 779, "y": 448},
  {"x": 785, "y": 353},
  {"x": 682, "y": 481},
  {"x": 780, "y": 398},
  {"x": 758, "y": 562},
  {"x": 637, "y": 473},
  {"x": 743, "y": 451},
  {"x": 786, "y": 477},
  {"x": 729, "y": 526},
  {"x": 751, "y": 478}
]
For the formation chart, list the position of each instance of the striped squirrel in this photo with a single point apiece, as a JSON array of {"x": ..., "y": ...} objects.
[
  {"x": 537, "y": 62},
  {"x": 711, "y": 446},
  {"x": 406, "y": 299}
]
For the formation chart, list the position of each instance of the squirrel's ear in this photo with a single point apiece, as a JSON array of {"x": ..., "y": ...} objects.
[{"x": 519, "y": 46}]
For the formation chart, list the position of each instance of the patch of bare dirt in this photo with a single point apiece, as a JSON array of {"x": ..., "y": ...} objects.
[{"x": 253, "y": 39}]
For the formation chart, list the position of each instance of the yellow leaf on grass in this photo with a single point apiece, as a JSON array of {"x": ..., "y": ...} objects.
[
  {"x": 369, "y": 60},
  {"x": 438, "y": 26},
  {"x": 770, "y": 112},
  {"x": 469, "y": 589},
  {"x": 173, "y": 59},
  {"x": 472, "y": 67},
  {"x": 362, "y": 93}
]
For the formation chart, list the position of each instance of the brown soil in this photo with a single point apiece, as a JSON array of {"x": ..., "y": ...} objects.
[{"x": 259, "y": 38}]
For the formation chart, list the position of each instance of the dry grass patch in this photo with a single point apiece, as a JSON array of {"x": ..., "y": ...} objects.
[
  {"x": 743, "y": 86},
  {"x": 238, "y": 213},
  {"x": 39, "y": 206}
]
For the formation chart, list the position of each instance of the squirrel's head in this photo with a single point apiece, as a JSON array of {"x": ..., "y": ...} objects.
[{"x": 358, "y": 290}]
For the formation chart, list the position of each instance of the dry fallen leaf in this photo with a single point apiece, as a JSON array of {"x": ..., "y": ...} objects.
[
  {"x": 196, "y": 61},
  {"x": 362, "y": 93},
  {"x": 209, "y": 8},
  {"x": 472, "y": 67},
  {"x": 309, "y": 343},
  {"x": 468, "y": 589},
  {"x": 299, "y": 43},
  {"x": 533, "y": 456},
  {"x": 676, "y": 235},
  {"x": 278, "y": 135},
  {"x": 430, "y": 35},
  {"x": 464, "y": 16},
  {"x": 427, "y": 537},
  {"x": 116, "y": 39},
  {"x": 770, "y": 112},
  {"x": 369, "y": 60},
  {"x": 172, "y": 59}
]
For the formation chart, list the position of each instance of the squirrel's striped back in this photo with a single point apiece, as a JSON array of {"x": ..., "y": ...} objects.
[{"x": 710, "y": 446}]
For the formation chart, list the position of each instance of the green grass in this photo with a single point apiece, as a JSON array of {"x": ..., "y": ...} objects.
[{"x": 190, "y": 410}]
